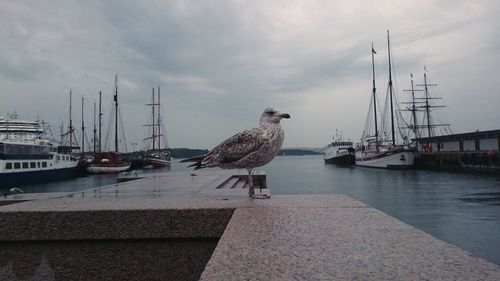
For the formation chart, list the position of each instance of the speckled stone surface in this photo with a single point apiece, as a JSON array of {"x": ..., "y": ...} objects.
[
  {"x": 114, "y": 224},
  {"x": 218, "y": 183},
  {"x": 138, "y": 259},
  {"x": 337, "y": 239},
  {"x": 153, "y": 232}
]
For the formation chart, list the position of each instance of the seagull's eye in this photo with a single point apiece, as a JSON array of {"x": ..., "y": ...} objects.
[{"x": 271, "y": 112}]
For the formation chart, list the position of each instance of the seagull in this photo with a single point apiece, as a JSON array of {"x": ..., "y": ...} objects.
[{"x": 247, "y": 149}]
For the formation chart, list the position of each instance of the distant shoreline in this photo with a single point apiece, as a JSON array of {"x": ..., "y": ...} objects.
[
  {"x": 180, "y": 153},
  {"x": 297, "y": 152}
]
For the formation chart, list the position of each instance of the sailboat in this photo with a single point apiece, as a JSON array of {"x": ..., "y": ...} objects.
[
  {"x": 156, "y": 156},
  {"x": 422, "y": 108},
  {"x": 378, "y": 151},
  {"x": 111, "y": 161}
]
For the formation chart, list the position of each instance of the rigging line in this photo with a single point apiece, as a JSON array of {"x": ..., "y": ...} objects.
[
  {"x": 146, "y": 131},
  {"x": 386, "y": 111},
  {"x": 366, "y": 130},
  {"x": 163, "y": 125},
  {"x": 165, "y": 141},
  {"x": 64, "y": 113},
  {"x": 123, "y": 130},
  {"x": 401, "y": 120},
  {"x": 88, "y": 142},
  {"x": 110, "y": 126}
]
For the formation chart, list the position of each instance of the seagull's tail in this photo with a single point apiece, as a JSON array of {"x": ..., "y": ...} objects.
[{"x": 197, "y": 159}]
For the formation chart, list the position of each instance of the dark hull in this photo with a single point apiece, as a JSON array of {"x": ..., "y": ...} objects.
[
  {"x": 9, "y": 180},
  {"x": 344, "y": 160}
]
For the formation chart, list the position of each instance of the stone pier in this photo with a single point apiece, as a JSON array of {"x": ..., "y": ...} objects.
[{"x": 203, "y": 226}]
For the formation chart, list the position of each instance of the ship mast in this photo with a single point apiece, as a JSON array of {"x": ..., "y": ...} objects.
[
  {"x": 95, "y": 131},
  {"x": 414, "y": 126},
  {"x": 83, "y": 133},
  {"x": 116, "y": 112},
  {"x": 414, "y": 110},
  {"x": 374, "y": 90},
  {"x": 153, "y": 123},
  {"x": 70, "y": 124},
  {"x": 100, "y": 121},
  {"x": 62, "y": 133},
  {"x": 423, "y": 105},
  {"x": 158, "y": 120},
  {"x": 390, "y": 89},
  {"x": 427, "y": 107}
]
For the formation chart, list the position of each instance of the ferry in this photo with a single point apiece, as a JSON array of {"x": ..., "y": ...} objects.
[
  {"x": 26, "y": 157},
  {"x": 339, "y": 152}
]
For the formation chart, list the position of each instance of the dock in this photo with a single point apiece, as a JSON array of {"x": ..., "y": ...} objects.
[
  {"x": 203, "y": 226},
  {"x": 477, "y": 151}
]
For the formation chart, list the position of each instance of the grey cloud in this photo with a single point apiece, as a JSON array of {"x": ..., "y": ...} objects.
[{"x": 224, "y": 61}]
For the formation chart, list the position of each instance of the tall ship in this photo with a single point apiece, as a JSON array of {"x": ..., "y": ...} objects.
[
  {"x": 339, "y": 152},
  {"x": 111, "y": 161},
  {"x": 424, "y": 120},
  {"x": 27, "y": 156},
  {"x": 156, "y": 152},
  {"x": 379, "y": 147}
]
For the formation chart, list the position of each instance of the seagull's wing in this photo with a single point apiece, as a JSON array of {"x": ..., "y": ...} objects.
[{"x": 234, "y": 148}]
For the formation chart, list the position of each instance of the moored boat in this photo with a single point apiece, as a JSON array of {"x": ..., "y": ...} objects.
[
  {"x": 387, "y": 156},
  {"x": 26, "y": 157},
  {"x": 112, "y": 161},
  {"x": 155, "y": 156},
  {"x": 380, "y": 149},
  {"x": 339, "y": 152},
  {"x": 107, "y": 163}
]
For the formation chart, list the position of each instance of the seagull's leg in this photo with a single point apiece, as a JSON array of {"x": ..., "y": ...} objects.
[{"x": 251, "y": 191}]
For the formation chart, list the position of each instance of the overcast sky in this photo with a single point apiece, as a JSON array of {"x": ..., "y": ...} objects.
[{"x": 221, "y": 63}]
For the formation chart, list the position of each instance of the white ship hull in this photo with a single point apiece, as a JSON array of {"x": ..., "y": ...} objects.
[
  {"x": 157, "y": 162},
  {"x": 400, "y": 159},
  {"x": 28, "y": 169},
  {"x": 26, "y": 157},
  {"x": 97, "y": 169}
]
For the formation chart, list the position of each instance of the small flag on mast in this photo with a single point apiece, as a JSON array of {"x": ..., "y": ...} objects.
[{"x": 373, "y": 51}]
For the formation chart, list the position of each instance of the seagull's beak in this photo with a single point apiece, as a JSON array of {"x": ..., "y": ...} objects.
[{"x": 285, "y": 115}]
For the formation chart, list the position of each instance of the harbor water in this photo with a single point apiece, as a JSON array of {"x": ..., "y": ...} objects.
[{"x": 461, "y": 209}]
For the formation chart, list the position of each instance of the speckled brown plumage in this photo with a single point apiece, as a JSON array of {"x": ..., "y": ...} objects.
[{"x": 248, "y": 149}]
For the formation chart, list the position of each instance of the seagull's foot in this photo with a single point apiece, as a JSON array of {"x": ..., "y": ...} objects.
[
  {"x": 251, "y": 191},
  {"x": 260, "y": 196}
]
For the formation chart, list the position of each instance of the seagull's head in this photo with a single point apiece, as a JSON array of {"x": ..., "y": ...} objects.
[{"x": 272, "y": 115}]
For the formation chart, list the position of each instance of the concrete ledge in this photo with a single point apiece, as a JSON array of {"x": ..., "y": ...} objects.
[
  {"x": 191, "y": 235},
  {"x": 114, "y": 224},
  {"x": 138, "y": 259},
  {"x": 314, "y": 242}
]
